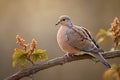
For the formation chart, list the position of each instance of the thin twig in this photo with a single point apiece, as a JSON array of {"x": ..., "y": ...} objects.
[{"x": 57, "y": 61}]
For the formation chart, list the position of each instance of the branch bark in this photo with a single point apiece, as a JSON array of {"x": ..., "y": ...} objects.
[{"x": 57, "y": 61}]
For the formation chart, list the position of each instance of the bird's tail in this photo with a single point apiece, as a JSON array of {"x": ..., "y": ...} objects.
[{"x": 99, "y": 57}]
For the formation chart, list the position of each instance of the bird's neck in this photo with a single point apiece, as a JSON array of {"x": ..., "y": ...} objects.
[{"x": 69, "y": 24}]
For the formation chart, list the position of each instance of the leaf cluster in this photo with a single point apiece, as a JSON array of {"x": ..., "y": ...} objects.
[
  {"x": 112, "y": 33},
  {"x": 112, "y": 74},
  {"x": 27, "y": 53}
]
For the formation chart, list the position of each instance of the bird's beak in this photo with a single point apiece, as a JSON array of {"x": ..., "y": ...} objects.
[{"x": 58, "y": 22}]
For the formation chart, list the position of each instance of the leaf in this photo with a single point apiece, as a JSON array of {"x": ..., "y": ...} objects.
[
  {"x": 22, "y": 62},
  {"x": 102, "y": 40},
  {"x": 34, "y": 57},
  {"x": 112, "y": 74},
  {"x": 107, "y": 75},
  {"x": 101, "y": 33},
  {"x": 18, "y": 56},
  {"x": 43, "y": 57},
  {"x": 21, "y": 67},
  {"x": 39, "y": 54},
  {"x": 109, "y": 33},
  {"x": 39, "y": 51},
  {"x": 14, "y": 62}
]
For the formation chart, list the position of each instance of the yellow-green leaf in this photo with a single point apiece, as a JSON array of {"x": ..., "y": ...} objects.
[
  {"x": 109, "y": 33},
  {"x": 102, "y": 40},
  {"x": 101, "y": 33},
  {"x": 34, "y": 57},
  {"x": 39, "y": 51},
  {"x": 39, "y": 54},
  {"x": 14, "y": 62},
  {"x": 22, "y": 60},
  {"x": 43, "y": 56},
  {"x": 18, "y": 55},
  {"x": 21, "y": 67}
]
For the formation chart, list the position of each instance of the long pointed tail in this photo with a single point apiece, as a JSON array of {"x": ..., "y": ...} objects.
[{"x": 102, "y": 59}]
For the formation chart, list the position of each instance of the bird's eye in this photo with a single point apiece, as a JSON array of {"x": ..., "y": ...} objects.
[{"x": 63, "y": 20}]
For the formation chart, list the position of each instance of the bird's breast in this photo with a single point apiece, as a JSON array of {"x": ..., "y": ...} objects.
[{"x": 63, "y": 41}]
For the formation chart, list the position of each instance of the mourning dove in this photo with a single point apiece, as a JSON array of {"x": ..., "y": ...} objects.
[{"x": 74, "y": 40}]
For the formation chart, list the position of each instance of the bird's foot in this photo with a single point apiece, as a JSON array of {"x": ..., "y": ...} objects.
[{"x": 69, "y": 54}]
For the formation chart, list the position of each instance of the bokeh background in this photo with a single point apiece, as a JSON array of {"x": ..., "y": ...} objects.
[{"x": 37, "y": 18}]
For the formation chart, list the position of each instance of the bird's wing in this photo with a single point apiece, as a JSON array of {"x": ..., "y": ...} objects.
[
  {"x": 91, "y": 37},
  {"x": 81, "y": 40}
]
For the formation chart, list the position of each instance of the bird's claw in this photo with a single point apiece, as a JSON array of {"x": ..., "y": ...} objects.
[{"x": 69, "y": 54}]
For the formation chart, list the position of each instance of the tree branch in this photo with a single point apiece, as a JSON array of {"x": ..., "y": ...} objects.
[{"x": 57, "y": 61}]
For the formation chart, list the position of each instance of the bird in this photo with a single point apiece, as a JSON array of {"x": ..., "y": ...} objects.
[{"x": 74, "y": 40}]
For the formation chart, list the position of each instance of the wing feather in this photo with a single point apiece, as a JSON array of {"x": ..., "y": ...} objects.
[
  {"x": 91, "y": 37},
  {"x": 80, "y": 39}
]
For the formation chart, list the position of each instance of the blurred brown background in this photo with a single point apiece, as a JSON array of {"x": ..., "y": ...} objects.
[{"x": 37, "y": 18}]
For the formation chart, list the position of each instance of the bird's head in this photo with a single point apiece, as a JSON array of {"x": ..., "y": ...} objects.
[{"x": 64, "y": 20}]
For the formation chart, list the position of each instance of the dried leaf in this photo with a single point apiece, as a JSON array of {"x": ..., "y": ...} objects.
[
  {"x": 21, "y": 42},
  {"x": 33, "y": 45},
  {"x": 115, "y": 30}
]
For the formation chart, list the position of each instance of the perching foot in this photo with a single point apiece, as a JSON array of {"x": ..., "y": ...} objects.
[{"x": 69, "y": 54}]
